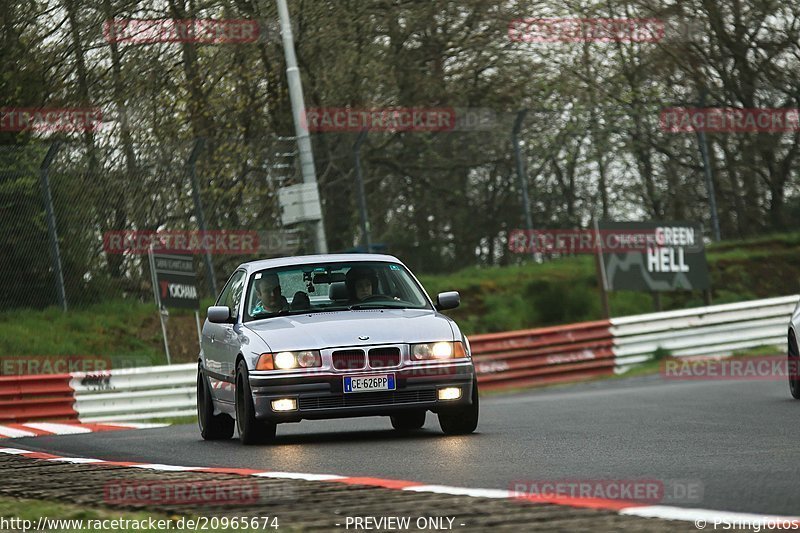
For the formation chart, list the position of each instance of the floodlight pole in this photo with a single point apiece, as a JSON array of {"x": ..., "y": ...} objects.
[{"x": 298, "y": 112}]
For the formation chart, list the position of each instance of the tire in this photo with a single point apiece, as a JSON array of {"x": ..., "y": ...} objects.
[
  {"x": 212, "y": 427},
  {"x": 461, "y": 420},
  {"x": 408, "y": 421},
  {"x": 251, "y": 431},
  {"x": 794, "y": 367}
]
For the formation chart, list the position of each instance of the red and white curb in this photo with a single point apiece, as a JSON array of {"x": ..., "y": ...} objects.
[
  {"x": 38, "y": 429},
  {"x": 627, "y": 508}
]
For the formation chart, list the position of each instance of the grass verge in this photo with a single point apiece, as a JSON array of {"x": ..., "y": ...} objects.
[{"x": 525, "y": 295}]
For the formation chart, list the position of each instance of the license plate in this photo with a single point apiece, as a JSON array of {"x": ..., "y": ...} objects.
[{"x": 369, "y": 383}]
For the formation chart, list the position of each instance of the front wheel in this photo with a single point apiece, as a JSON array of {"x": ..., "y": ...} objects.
[
  {"x": 251, "y": 431},
  {"x": 463, "y": 419},
  {"x": 794, "y": 368},
  {"x": 408, "y": 421},
  {"x": 212, "y": 427}
]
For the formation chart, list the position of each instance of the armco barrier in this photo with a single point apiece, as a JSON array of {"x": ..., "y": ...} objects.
[
  {"x": 717, "y": 330},
  {"x": 135, "y": 393},
  {"x": 508, "y": 360},
  {"x": 550, "y": 355},
  {"x": 24, "y": 398},
  {"x": 545, "y": 355}
]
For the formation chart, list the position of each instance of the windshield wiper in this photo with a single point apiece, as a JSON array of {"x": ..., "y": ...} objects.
[
  {"x": 356, "y": 307},
  {"x": 285, "y": 312}
]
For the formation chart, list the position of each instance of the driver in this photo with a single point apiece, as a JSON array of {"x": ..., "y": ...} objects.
[
  {"x": 361, "y": 283},
  {"x": 270, "y": 299}
]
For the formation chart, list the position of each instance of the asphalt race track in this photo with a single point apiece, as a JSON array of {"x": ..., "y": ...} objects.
[{"x": 739, "y": 440}]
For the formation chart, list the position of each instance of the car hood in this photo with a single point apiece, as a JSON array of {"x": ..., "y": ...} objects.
[{"x": 343, "y": 328}]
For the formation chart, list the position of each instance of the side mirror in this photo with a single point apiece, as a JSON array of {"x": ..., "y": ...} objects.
[
  {"x": 448, "y": 300},
  {"x": 219, "y": 314}
]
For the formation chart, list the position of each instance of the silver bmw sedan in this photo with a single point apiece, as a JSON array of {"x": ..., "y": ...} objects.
[{"x": 330, "y": 336}]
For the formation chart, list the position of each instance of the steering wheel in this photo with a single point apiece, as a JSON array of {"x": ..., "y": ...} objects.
[{"x": 373, "y": 298}]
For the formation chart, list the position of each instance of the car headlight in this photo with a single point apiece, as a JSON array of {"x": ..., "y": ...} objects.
[
  {"x": 284, "y": 360},
  {"x": 437, "y": 351},
  {"x": 289, "y": 360}
]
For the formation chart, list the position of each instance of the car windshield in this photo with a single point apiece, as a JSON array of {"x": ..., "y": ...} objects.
[{"x": 324, "y": 287}]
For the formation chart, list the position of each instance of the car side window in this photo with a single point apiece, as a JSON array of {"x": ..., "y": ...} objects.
[
  {"x": 235, "y": 296},
  {"x": 231, "y": 295}
]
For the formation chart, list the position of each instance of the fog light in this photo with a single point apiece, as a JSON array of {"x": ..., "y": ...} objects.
[
  {"x": 285, "y": 404},
  {"x": 450, "y": 393}
]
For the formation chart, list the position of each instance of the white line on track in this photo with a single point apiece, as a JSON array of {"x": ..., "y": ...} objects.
[
  {"x": 15, "y": 433},
  {"x": 58, "y": 429},
  {"x": 76, "y": 460},
  {"x": 133, "y": 425},
  {"x": 168, "y": 468},
  {"x": 461, "y": 491},
  {"x": 297, "y": 475},
  {"x": 650, "y": 511}
]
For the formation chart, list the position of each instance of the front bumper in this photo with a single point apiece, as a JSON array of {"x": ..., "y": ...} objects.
[{"x": 320, "y": 394}]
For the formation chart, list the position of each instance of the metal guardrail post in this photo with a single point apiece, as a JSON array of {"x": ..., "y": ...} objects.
[{"x": 55, "y": 253}]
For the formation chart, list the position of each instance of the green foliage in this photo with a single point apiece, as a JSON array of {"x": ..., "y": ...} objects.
[
  {"x": 493, "y": 299},
  {"x": 124, "y": 331},
  {"x": 33, "y": 510},
  {"x": 562, "y": 301},
  {"x": 661, "y": 353},
  {"x": 441, "y": 200},
  {"x": 565, "y": 290}
]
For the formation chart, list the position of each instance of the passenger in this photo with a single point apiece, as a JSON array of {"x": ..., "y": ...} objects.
[
  {"x": 362, "y": 282},
  {"x": 300, "y": 301},
  {"x": 270, "y": 299}
]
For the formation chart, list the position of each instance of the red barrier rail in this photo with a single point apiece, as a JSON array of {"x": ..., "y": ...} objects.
[
  {"x": 541, "y": 356},
  {"x": 47, "y": 396}
]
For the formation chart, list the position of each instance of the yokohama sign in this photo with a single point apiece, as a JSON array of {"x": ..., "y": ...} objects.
[{"x": 176, "y": 282}]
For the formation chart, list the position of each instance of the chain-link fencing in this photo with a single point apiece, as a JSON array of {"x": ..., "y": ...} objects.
[{"x": 63, "y": 207}]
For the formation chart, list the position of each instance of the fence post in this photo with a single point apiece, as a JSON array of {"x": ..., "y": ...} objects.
[
  {"x": 712, "y": 200},
  {"x": 198, "y": 211},
  {"x": 55, "y": 253},
  {"x": 523, "y": 178},
  {"x": 362, "y": 199}
]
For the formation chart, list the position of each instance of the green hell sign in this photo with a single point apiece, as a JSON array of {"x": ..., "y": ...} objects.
[{"x": 654, "y": 256}]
